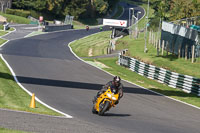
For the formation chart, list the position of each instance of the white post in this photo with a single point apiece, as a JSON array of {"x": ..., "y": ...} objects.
[
  {"x": 130, "y": 29},
  {"x": 145, "y": 47},
  {"x": 137, "y": 24},
  {"x": 193, "y": 48},
  {"x": 149, "y": 37},
  {"x": 163, "y": 44}
]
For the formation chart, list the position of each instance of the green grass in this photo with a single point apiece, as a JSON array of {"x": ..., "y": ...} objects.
[
  {"x": 148, "y": 83},
  {"x": 15, "y": 19},
  {"x": 170, "y": 61},
  {"x": 4, "y": 130},
  {"x": 3, "y": 33},
  {"x": 34, "y": 33},
  {"x": 98, "y": 48},
  {"x": 11, "y": 29},
  {"x": 78, "y": 25},
  {"x": 2, "y": 28},
  {"x": 13, "y": 97},
  {"x": 81, "y": 48},
  {"x": 2, "y": 41}
]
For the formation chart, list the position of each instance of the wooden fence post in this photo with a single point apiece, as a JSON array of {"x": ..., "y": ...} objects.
[
  {"x": 179, "y": 51},
  {"x": 155, "y": 40},
  {"x": 167, "y": 47},
  {"x": 158, "y": 47},
  {"x": 186, "y": 51},
  {"x": 149, "y": 37},
  {"x": 193, "y": 48},
  {"x": 163, "y": 44}
]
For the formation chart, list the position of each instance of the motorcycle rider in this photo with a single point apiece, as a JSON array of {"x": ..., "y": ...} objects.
[
  {"x": 116, "y": 87},
  {"x": 87, "y": 27}
]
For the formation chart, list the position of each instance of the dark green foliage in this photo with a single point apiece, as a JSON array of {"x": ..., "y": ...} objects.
[
  {"x": 60, "y": 8},
  {"x": 170, "y": 10},
  {"x": 154, "y": 23},
  {"x": 18, "y": 12}
]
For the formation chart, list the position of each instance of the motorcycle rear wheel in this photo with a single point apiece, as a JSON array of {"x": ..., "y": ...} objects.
[
  {"x": 94, "y": 111},
  {"x": 105, "y": 108}
]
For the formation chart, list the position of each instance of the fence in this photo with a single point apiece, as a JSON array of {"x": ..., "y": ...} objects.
[
  {"x": 179, "y": 39},
  {"x": 187, "y": 83},
  {"x": 57, "y": 28},
  {"x": 33, "y": 20}
]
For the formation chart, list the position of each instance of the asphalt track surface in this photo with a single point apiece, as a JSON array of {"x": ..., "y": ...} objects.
[{"x": 45, "y": 65}]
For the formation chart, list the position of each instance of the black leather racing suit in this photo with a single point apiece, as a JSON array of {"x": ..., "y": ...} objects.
[{"x": 113, "y": 87}]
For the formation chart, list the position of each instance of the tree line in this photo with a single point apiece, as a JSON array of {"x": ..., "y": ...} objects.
[
  {"x": 171, "y": 10},
  {"x": 176, "y": 9},
  {"x": 60, "y": 8}
]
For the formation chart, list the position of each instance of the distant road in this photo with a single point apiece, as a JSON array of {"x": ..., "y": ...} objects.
[{"x": 45, "y": 65}]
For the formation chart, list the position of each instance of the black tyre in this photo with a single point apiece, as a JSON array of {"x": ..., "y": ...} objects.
[
  {"x": 94, "y": 110},
  {"x": 105, "y": 108}
]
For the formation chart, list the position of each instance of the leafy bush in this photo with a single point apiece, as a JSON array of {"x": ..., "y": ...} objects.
[
  {"x": 18, "y": 12},
  {"x": 154, "y": 23},
  {"x": 15, "y": 19}
]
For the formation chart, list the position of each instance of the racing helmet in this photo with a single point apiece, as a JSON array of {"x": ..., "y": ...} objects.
[{"x": 117, "y": 80}]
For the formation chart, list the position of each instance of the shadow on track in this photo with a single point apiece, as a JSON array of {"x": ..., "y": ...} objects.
[
  {"x": 116, "y": 115},
  {"x": 90, "y": 86},
  {"x": 78, "y": 85}
]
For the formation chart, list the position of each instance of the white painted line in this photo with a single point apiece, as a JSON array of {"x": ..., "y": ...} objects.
[
  {"x": 8, "y": 32},
  {"x": 3, "y": 44},
  {"x": 53, "y": 116},
  {"x": 37, "y": 99},
  {"x": 18, "y": 24}
]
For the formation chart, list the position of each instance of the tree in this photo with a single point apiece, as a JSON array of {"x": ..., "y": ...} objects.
[
  {"x": 76, "y": 8},
  {"x": 101, "y": 6}
]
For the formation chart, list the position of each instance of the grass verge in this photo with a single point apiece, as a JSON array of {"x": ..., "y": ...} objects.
[
  {"x": 3, "y": 130},
  {"x": 15, "y": 19},
  {"x": 2, "y": 40},
  {"x": 127, "y": 74},
  {"x": 13, "y": 97},
  {"x": 3, "y": 33},
  {"x": 89, "y": 47},
  {"x": 170, "y": 61}
]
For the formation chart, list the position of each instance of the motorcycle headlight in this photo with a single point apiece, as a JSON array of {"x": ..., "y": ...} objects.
[
  {"x": 109, "y": 95},
  {"x": 113, "y": 98}
]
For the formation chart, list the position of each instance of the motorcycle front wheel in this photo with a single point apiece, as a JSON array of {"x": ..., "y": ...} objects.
[{"x": 105, "y": 108}]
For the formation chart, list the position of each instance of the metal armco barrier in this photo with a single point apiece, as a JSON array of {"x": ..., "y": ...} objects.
[
  {"x": 49, "y": 28},
  {"x": 187, "y": 83}
]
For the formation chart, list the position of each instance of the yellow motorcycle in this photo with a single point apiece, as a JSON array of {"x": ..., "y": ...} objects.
[{"x": 104, "y": 102}]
